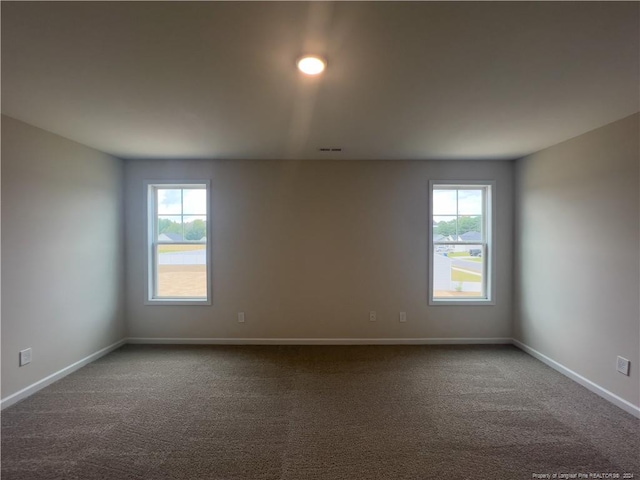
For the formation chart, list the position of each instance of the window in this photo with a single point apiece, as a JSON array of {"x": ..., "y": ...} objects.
[
  {"x": 461, "y": 250},
  {"x": 179, "y": 256}
]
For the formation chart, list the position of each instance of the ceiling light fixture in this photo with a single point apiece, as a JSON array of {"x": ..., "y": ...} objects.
[{"x": 311, "y": 64}]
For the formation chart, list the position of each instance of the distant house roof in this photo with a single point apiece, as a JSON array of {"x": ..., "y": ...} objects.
[
  {"x": 170, "y": 237},
  {"x": 471, "y": 237},
  {"x": 443, "y": 238}
]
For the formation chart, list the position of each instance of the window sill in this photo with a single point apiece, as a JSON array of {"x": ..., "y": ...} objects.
[
  {"x": 181, "y": 302},
  {"x": 464, "y": 303}
]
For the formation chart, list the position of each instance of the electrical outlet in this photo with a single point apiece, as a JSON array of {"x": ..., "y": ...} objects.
[
  {"x": 623, "y": 366},
  {"x": 241, "y": 317},
  {"x": 403, "y": 316},
  {"x": 25, "y": 357},
  {"x": 372, "y": 316}
]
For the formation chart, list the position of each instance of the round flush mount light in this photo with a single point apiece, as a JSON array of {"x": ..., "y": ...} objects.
[{"x": 311, "y": 64}]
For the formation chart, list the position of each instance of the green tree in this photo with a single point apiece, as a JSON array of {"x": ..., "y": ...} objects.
[
  {"x": 468, "y": 224},
  {"x": 166, "y": 225},
  {"x": 464, "y": 225},
  {"x": 446, "y": 228},
  {"x": 195, "y": 230}
]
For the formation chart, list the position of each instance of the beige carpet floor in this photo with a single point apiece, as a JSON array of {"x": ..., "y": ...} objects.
[{"x": 316, "y": 412}]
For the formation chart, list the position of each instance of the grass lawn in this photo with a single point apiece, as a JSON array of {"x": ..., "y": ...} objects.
[
  {"x": 463, "y": 276},
  {"x": 179, "y": 248}
]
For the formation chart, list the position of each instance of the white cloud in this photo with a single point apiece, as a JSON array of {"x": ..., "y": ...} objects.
[
  {"x": 457, "y": 202},
  {"x": 177, "y": 201}
]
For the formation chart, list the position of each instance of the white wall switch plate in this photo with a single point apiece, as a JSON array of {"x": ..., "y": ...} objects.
[
  {"x": 241, "y": 317},
  {"x": 372, "y": 316},
  {"x": 403, "y": 316},
  {"x": 25, "y": 357},
  {"x": 623, "y": 366}
]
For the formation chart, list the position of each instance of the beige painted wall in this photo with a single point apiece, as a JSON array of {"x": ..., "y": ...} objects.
[
  {"x": 306, "y": 249},
  {"x": 62, "y": 252},
  {"x": 578, "y": 261}
]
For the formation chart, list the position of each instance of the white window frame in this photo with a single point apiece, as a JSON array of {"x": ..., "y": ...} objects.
[
  {"x": 150, "y": 187},
  {"x": 489, "y": 226}
]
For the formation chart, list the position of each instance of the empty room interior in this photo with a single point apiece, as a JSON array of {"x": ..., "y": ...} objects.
[{"x": 320, "y": 240}]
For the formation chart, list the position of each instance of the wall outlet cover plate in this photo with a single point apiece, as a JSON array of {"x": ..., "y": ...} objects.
[
  {"x": 25, "y": 357},
  {"x": 623, "y": 366}
]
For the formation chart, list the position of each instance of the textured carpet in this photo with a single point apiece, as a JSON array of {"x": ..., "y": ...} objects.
[{"x": 316, "y": 412}]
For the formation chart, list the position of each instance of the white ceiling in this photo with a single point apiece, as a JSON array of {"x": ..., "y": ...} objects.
[{"x": 414, "y": 80}]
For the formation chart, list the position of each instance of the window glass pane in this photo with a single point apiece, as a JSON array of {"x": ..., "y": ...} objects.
[
  {"x": 444, "y": 202},
  {"x": 195, "y": 228},
  {"x": 182, "y": 271},
  {"x": 170, "y": 228},
  {"x": 458, "y": 271},
  {"x": 469, "y": 202},
  {"x": 195, "y": 201},
  {"x": 444, "y": 228},
  {"x": 169, "y": 201},
  {"x": 470, "y": 228}
]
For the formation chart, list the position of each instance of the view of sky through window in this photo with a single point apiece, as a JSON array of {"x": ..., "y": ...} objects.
[{"x": 173, "y": 201}]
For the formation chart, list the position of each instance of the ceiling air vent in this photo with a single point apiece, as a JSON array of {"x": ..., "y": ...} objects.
[{"x": 330, "y": 149}]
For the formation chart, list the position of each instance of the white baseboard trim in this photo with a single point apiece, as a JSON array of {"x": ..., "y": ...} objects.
[
  {"x": 318, "y": 341},
  {"x": 40, "y": 384},
  {"x": 585, "y": 382}
]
